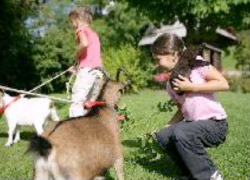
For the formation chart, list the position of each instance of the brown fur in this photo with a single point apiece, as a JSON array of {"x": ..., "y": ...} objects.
[{"x": 85, "y": 147}]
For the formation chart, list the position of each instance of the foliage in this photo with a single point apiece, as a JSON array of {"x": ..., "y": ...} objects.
[
  {"x": 37, "y": 42},
  {"x": 128, "y": 121},
  {"x": 133, "y": 62},
  {"x": 125, "y": 25},
  {"x": 54, "y": 50},
  {"x": 199, "y": 16},
  {"x": 239, "y": 84},
  {"x": 242, "y": 54},
  {"x": 148, "y": 149},
  {"x": 54, "y": 54},
  {"x": 167, "y": 106},
  {"x": 54, "y": 43},
  {"x": 17, "y": 69}
]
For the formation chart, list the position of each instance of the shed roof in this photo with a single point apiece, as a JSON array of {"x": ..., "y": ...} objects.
[
  {"x": 209, "y": 46},
  {"x": 152, "y": 32},
  {"x": 225, "y": 33}
]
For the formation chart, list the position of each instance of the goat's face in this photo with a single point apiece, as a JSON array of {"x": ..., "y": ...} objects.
[{"x": 112, "y": 93}]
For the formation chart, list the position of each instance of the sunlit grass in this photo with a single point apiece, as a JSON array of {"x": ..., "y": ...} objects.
[{"x": 232, "y": 158}]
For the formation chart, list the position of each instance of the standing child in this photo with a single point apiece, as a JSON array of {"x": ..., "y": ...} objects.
[
  {"x": 89, "y": 78},
  {"x": 200, "y": 120}
]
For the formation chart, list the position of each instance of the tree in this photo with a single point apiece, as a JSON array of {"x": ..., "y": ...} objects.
[
  {"x": 16, "y": 66},
  {"x": 201, "y": 17},
  {"x": 54, "y": 45}
]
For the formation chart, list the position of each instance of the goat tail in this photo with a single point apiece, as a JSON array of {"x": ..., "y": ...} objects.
[{"x": 39, "y": 146}]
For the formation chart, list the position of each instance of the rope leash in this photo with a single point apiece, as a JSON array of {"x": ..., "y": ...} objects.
[
  {"x": 34, "y": 94},
  {"x": 46, "y": 82},
  {"x": 68, "y": 85},
  {"x": 7, "y": 105},
  {"x": 29, "y": 92},
  {"x": 87, "y": 104}
]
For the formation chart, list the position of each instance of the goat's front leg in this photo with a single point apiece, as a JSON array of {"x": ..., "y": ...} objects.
[
  {"x": 39, "y": 128},
  {"x": 53, "y": 114},
  {"x": 17, "y": 136},
  {"x": 99, "y": 178},
  {"x": 119, "y": 168},
  {"x": 10, "y": 135}
]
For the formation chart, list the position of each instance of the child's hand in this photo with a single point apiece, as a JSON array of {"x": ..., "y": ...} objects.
[
  {"x": 72, "y": 69},
  {"x": 78, "y": 56},
  {"x": 182, "y": 84},
  {"x": 167, "y": 125}
]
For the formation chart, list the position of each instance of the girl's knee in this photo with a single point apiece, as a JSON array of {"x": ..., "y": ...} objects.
[
  {"x": 179, "y": 135},
  {"x": 163, "y": 137}
]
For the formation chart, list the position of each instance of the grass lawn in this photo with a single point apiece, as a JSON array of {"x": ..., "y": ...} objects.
[{"x": 232, "y": 158}]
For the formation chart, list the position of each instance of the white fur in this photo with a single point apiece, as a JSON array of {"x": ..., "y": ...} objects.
[{"x": 27, "y": 111}]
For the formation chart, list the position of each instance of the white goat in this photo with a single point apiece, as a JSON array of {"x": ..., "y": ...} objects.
[{"x": 26, "y": 111}]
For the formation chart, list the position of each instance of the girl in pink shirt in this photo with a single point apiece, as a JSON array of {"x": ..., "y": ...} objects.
[
  {"x": 89, "y": 77},
  {"x": 200, "y": 120}
]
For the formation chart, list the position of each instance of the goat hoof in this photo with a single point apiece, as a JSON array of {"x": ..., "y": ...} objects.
[
  {"x": 16, "y": 141},
  {"x": 7, "y": 145},
  {"x": 99, "y": 178}
]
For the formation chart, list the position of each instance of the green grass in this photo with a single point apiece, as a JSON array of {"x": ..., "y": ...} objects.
[{"x": 232, "y": 158}]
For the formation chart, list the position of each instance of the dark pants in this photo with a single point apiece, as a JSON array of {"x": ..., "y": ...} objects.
[{"x": 186, "y": 141}]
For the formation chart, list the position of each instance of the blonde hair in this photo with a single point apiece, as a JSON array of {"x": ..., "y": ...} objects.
[{"x": 82, "y": 13}]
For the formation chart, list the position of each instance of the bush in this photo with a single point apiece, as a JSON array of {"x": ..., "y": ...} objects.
[
  {"x": 239, "y": 84},
  {"x": 135, "y": 63},
  {"x": 245, "y": 85},
  {"x": 54, "y": 53}
]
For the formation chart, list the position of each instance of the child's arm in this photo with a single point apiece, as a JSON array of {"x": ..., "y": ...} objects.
[
  {"x": 215, "y": 82},
  {"x": 81, "y": 46},
  {"x": 177, "y": 117}
]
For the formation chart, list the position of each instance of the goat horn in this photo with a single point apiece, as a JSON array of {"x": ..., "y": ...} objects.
[{"x": 119, "y": 70}]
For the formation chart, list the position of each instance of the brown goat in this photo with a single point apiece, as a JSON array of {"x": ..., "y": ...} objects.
[{"x": 81, "y": 148}]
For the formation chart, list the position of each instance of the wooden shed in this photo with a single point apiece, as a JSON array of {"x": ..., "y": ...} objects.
[
  {"x": 213, "y": 55},
  {"x": 210, "y": 53}
]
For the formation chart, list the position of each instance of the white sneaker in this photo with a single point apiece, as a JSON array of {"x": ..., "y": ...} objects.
[{"x": 216, "y": 176}]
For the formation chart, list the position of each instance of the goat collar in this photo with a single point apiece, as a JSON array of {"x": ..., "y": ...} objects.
[
  {"x": 7, "y": 105},
  {"x": 91, "y": 104}
]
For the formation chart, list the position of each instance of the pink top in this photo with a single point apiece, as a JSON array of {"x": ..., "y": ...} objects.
[
  {"x": 198, "y": 106},
  {"x": 92, "y": 56}
]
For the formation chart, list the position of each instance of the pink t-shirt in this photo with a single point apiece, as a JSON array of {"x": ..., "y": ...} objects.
[
  {"x": 198, "y": 106},
  {"x": 92, "y": 56}
]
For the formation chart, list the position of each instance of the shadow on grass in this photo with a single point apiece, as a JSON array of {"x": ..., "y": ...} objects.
[
  {"x": 131, "y": 143},
  {"x": 25, "y": 135},
  {"x": 108, "y": 176},
  {"x": 150, "y": 156},
  {"x": 164, "y": 166}
]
